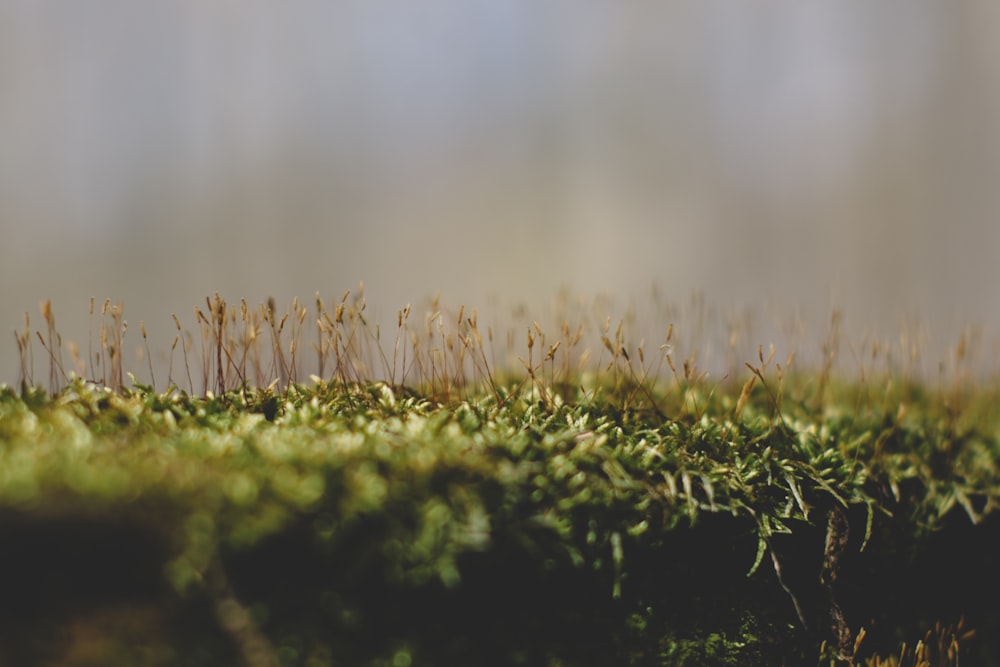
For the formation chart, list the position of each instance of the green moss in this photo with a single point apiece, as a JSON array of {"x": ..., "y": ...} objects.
[{"x": 562, "y": 532}]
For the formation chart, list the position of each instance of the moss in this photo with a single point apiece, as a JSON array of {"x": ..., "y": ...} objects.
[{"x": 558, "y": 517}]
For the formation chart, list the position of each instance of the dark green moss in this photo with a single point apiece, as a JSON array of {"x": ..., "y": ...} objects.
[{"x": 367, "y": 525}]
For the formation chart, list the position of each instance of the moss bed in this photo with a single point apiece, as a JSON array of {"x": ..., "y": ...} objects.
[{"x": 365, "y": 524}]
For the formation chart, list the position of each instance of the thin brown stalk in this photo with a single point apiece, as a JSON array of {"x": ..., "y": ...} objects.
[
  {"x": 184, "y": 347},
  {"x": 149, "y": 356},
  {"x": 26, "y": 355}
]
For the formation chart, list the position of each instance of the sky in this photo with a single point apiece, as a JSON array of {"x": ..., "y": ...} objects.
[{"x": 775, "y": 157}]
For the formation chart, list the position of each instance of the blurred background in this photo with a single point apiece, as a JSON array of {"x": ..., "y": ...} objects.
[{"x": 776, "y": 158}]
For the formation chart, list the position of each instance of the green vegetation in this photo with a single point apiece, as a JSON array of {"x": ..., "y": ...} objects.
[{"x": 579, "y": 508}]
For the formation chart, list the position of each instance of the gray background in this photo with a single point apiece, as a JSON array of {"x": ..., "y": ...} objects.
[{"x": 784, "y": 158}]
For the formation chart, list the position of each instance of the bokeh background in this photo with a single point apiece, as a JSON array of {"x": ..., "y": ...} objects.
[{"x": 775, "y": 157}]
